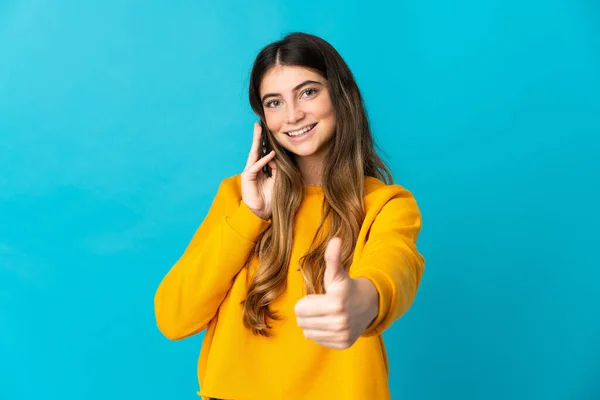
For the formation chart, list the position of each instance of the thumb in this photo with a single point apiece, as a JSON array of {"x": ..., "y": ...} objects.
[
  {"x": 334, "y": 272},
  {"x": 273, "y": 169}
]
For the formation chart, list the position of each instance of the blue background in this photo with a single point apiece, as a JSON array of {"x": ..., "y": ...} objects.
[{"x": 119, "y": 119}]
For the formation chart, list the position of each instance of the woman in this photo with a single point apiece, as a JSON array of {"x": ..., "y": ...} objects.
[{"x": 296, "y": 272}]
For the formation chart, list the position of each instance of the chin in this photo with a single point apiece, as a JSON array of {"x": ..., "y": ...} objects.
[
  {"x": 303, "y": 154},
  {"x": 305, "y": 150}
]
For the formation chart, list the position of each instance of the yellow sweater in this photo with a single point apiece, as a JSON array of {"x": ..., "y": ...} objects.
[{"x": 205, "y": 287}]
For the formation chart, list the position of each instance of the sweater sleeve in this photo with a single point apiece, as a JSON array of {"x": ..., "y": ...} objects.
[
  {"x": 391, "y": 261},
  {"x": 190, "y": 294}
]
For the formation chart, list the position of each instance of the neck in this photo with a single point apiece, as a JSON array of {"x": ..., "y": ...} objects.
[{"x": 311, "y": 168}]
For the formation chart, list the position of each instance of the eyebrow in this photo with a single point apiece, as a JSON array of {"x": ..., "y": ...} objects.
[{"x": 309, "y": 82}]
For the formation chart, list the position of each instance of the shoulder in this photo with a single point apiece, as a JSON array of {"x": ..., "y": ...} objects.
[
  {"x": 231, "y": 184},
  {"x": 379, "y": 195},
  {"x": 377, "y": 189},
  {"x": 229, "y": 193}
]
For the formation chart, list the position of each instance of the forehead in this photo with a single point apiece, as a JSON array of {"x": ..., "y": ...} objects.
[{"x": 283, "y": 78}]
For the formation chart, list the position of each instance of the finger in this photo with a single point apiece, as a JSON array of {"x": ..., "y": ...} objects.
[
  {"x": 254, "y": 150},
  {"x": 333, "y": 252},
  {"x": 318, "y": 335},
  {"x": 331, "y": 344},
  {"x": 254, "y": 169},
  {"x": 273, "y": 166},
  {"x": 317, "y": 305},
  {"x": 331, "y": 324}
]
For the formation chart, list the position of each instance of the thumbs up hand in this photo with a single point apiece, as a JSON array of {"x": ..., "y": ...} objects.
[{"x": 337, "y": 318}]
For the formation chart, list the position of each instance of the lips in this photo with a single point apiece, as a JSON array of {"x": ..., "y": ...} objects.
[{"x": 307, "y": 128}]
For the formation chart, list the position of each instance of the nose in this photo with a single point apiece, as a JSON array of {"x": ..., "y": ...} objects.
[{"x": 294, "y": 114}]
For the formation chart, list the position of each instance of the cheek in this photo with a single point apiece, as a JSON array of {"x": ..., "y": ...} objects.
[
  {"x": 327, "y": 117},
  {"x": 274, "y": 122},
  {"x": 324, "y": 111}
]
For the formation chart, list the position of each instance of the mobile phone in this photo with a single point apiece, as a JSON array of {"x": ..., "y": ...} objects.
[{"x": 265, "y": 148}]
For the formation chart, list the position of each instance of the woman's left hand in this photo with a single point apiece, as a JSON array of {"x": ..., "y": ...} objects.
[{"x": 337, "y": 318}]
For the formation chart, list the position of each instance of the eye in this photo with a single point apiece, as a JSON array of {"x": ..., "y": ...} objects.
[
  {"x": 309, "y": 92},
  {"x": 272, "y": 103}
]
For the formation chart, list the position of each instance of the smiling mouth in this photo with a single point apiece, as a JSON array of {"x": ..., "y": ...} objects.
[{"x": 302, "y": 131}]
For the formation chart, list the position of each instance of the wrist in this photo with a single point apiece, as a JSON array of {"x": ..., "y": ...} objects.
[
  {"x": 369, "y": 298},
  {"x": 246, "y": 223},
  {"x": 260, "y": 214},
  {"x": 263, "y": 216}
]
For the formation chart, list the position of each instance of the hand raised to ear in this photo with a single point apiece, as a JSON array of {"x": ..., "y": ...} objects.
[{"x": 257, "y": 188}]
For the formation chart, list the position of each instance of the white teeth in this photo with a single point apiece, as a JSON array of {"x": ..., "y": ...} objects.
[{"x": 301, "y": 131}]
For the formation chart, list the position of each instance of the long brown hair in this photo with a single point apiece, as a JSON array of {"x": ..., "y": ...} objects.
[{"x": 351, "y": 157}]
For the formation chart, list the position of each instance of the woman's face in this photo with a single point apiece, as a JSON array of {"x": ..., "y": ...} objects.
[{"x": 298, "y": 109}]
